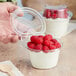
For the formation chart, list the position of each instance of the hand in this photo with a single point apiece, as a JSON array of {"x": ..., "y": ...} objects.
[{"x": 6, "y": 32}]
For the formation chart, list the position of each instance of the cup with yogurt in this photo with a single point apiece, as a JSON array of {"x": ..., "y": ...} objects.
[
  {"x": 57, "y": 20},
  {"x": 44, "y": 51}
]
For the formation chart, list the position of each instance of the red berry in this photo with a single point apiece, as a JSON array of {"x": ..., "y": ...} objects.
[
  {"x": 33, "y": 38},
  {"x": 41, "y": 36},
  {"x": 58, "y": 45},
  {"x": 51, "y": 43},
  {"x": 45, "y": 49},
  {"x": 28, "y": 43},
  {"x": 39, "y": 47},
  {"x": 31, "y": 45},
  {"x": 54, "y": 16},
  {"x": 47, "y": 13},
  {"x": 55, "y": 11},
  {"x": 36, "y": 39},
  {"x": 46, "y": 42},
  {"x": 54, "y": 40},
  {"x": 48, "y": 37},
  {"x": 39, "y": 40},
  {"x": 52, "y": 47},
  {"x": 66, "y": 15}
]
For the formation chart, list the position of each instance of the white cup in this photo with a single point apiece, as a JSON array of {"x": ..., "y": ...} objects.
[
  {"x": 43, "y": 60},
  {"x": 57, "y": 27}
]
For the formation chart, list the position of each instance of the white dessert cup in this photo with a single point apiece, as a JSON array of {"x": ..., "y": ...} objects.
[
  {"x": 43, "y": 60},
  {"x": 56, "y": 27}
]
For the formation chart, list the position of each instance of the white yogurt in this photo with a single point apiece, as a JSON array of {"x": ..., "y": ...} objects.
[
  {"x": 43, "y": 60},
  {"x": 56, "y": 27}
]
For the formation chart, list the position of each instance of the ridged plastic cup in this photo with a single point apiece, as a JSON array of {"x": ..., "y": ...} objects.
[
  {"x": 43, "y": 60},
  {"x": 57, "y": 27}
]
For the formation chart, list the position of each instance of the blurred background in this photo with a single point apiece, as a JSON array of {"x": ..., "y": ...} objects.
[{"x": 38, "y": 4}]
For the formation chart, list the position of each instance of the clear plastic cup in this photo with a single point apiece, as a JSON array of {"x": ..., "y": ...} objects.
[
  {"x": 57, "y": 27},
  {"x": 32, "y": 23},
  {"x": 43, "y": 60}
]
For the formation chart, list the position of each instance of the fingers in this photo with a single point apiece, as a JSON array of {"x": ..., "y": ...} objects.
[
  {"x": 11, "y": 8},
  {"x": 9, "y": 39},
  {"x": 14, "y": 39}
]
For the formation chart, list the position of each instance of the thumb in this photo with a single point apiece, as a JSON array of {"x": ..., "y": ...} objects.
[{"x": 11, "y": 7}]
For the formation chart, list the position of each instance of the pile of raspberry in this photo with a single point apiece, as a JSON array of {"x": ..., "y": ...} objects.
[
  {"x": 49, "y": 14},
  {"x": 43, "y": 43}
]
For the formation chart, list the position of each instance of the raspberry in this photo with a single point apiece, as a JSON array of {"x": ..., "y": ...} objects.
[
  {"x": 31, "y": 45},
  {"x": 28, "y": 43},
  {"x": 36, "y": 39},
  {"x": 54, "y": 40},
  {"x": 51, "y": 43},
  {"x": 48, "y": 37},
  {"x": 41, "y": 36},
  {"x": 58, "y": 45},
  {"x": 46, "y": 42},
  {"x": 39, "y": 40},
  {"x": 39, "y": 47},
  {"x": 66, "y": 15},
  {"x": 33, "y": 38},
  {"x": 54, "y": 16},
  {"x": 45, "y": 49},
  {"x": 52, "y": 47},
  {"x": 55, "y": 11},
  {"x": 47, "y": 13}
]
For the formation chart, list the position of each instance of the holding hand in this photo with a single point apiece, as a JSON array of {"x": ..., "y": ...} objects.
[{"x": 7, "y": 34}]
